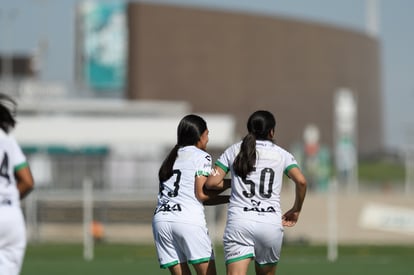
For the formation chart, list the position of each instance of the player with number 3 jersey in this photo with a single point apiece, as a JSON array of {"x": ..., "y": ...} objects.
[
  {"x": 176, "y": 199},
  {"x": 179, "y": 225},
  {"x": 254, "y": 228}
]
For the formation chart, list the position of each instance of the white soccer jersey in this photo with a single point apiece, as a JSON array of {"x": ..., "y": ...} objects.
[
  {"x": 257, "y": 197},
  {"x": 11, "y": 160},
  {"x": 176, "y": 200},
  {"x": 12, "y": 227}
]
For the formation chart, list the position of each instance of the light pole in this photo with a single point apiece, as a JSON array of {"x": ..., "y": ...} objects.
[
  {"x": 41, "y": 52},
  {"x": 346, "y": 148},
  {"x": 8, "y": 17},
  {"x": 372, "y": 17}
]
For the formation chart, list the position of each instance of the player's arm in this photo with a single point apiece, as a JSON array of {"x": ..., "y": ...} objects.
[
  {"x": 208, "y": 197},
  {"x": 219, "y": 199},
  {"x": 216, "y": 181},
  {"x": 214, "y": 193},
  {"x": 24, "y": 179},
  {"x": 291, "y": 216}
]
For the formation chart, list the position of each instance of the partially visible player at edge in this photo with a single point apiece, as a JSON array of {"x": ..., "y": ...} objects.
[
  {"x": 179, "y": 225},
  {"x": 254, "y": 228},
  {"x": 16, "y": 182}
]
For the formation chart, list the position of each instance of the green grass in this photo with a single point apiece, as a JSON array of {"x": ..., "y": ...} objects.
[
  {"x": 381, "y": 171},
  {"x": 113, "y": 259}
]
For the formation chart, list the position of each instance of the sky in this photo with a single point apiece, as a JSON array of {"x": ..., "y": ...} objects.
[{"x": 26, "y": 24}]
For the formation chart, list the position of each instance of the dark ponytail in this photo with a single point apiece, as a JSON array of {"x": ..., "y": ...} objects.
[
  {"x": 166, "y": 168},
  {"x": 7, "y": 112},
  {"x": 189, "y": 131},
  {"x": 246, "y": 158},
  {"x": 259, "y": 126}
]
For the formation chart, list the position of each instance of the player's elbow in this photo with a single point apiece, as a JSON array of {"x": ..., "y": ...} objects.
[
  {"x": 25, "y": 187},
  {"x": 296, "y": 175},
  {"x": 301, "y": 182},
  {"x": 201, "y": 196},
  {"x": 25, "y": 182},
  {"x": 213, "y": 183}
]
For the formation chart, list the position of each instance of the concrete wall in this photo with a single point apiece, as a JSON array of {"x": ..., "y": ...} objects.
[{"x": 236, "y": 63}]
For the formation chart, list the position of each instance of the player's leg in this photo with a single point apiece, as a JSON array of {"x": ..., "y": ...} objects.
[
  {"x": 206, "y": 268},
  {"x": 239, "y": 267},
  {"x": 180, "y": 269},
  {"x": 12, "y": 240},
  {"x": 197, "y": 248},
  {"x": 169, "y": 254},
  {"x": 265, "y": 269},
  {"x": 268, "y": 246},
  {"x": 238, "y": 246}
]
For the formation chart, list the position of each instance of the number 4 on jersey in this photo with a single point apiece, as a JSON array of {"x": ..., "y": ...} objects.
[{"x": 4, "y": 167}]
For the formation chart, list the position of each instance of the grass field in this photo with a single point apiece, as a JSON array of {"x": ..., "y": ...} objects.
[{"x": 112, "y": 259}]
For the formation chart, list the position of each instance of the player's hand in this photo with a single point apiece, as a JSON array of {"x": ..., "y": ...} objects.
[{"x": 290, "y": 218}]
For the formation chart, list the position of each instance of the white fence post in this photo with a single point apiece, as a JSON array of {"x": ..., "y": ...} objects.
[
  {"x": 88, "y": 243},
  {"x": 31, "y": 205},
  {"x": 332, "y": 200},
  {"x": 409, "y": 170}
]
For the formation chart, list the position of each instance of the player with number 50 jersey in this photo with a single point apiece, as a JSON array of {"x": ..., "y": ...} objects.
[
  {"x": 257, "y": 196},
  {"x": 254, "y": 228}
]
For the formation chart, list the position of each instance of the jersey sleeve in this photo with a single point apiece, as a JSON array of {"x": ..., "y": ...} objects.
[
  {"x": 226, "y": 159},
  {"x": 290, "y": 162},
  {"x": 18, "y": 159},
  {"x": 203, "y": 165}
]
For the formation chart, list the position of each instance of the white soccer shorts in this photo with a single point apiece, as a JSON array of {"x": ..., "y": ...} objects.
[
  {"x": 12, "y": 240},
  {"x": 179, "y": 243},
  {"x": 249, "y": 239}
]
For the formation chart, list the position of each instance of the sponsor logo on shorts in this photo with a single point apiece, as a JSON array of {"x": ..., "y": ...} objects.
[{"x": 234, "y": 254}]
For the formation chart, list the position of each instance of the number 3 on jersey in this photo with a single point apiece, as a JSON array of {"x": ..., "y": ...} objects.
[{"x": 174, "y": 193}]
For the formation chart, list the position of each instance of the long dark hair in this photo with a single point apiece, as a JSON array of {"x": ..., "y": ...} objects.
[
  {"x": 7, "y": 112},
  {"x": 189, "y": 131},
  {"x": 259, "y": 126}
]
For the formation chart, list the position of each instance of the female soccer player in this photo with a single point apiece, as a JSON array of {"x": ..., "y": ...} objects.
[
  {"x": 179, "y": 224},
  {"x": 254, "y": 228},
  {"x": 16, "y": 182}
]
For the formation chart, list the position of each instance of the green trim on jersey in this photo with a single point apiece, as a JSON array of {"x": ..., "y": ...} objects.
[
  {"x": 169, "y": 264},
  {"x": 248, "y": 256},
  {"x": 222, "y": 166},
  {"x": 202, "y": 173},
  {"x": 267, "y": 264},
  {"x": 290, "y": 167},
  {"x": 202, "y": 260},
  {"x": 20, "y": 166}
]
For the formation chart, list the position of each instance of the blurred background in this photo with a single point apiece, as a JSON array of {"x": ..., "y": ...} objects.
[{"x": 102, "y": 85}]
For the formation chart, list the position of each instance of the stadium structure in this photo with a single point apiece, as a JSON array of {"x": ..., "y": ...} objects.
[
  {"x": 218, "y": 63},
  {"x": 234, "y": 62}
]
